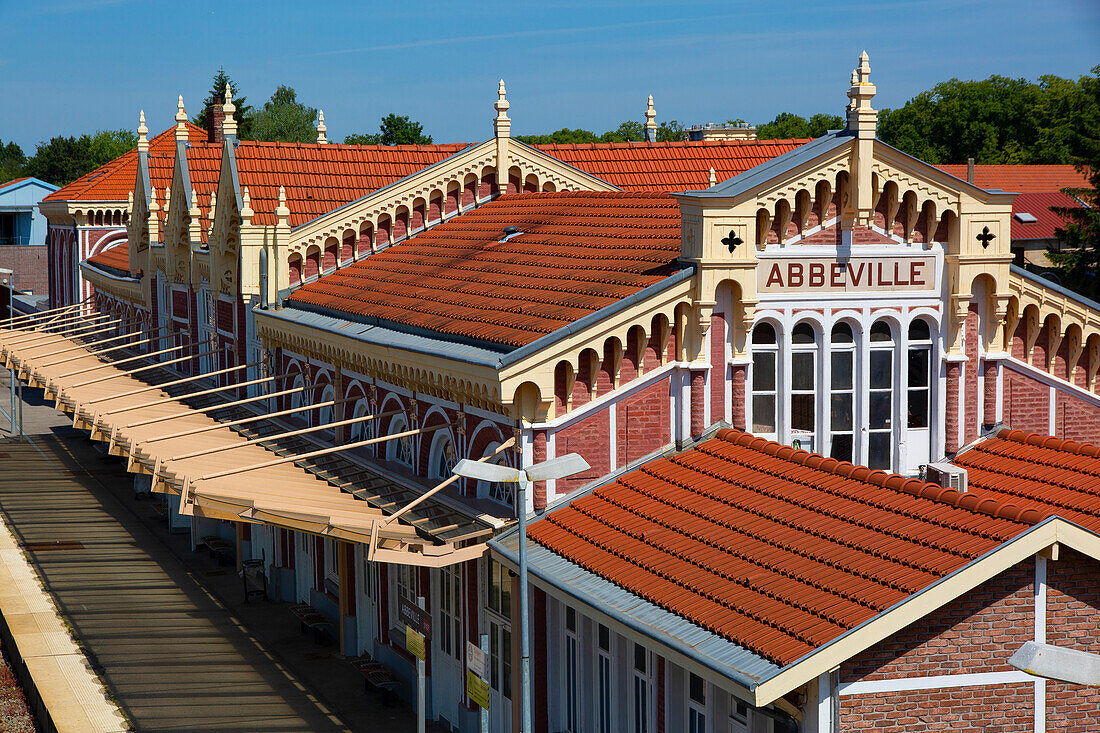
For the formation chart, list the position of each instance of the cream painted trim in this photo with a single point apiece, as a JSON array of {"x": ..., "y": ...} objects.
[
  {"x": 920, "y": 604},
  {"x": 934, "y": 682},
  {"x": 1056, "y": 383}
]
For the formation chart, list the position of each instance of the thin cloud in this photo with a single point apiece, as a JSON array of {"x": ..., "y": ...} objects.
[{"x": 514, "y": 34}]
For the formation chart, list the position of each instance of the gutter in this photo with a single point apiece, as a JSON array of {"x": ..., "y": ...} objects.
[{"x": 1060, "y": 289}]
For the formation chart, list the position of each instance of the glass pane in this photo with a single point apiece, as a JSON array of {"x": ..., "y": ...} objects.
[
  {"x": 802, "y": 370},
  {"x": 506, "y": 658},
  {"x": 763, "y": 413},
  {"x": 880, "y": 331},
  {"x": 918, "y": 367},
  {"x": 842, "y": 369},
  {"x": 878, "y": 450},
  {"x": 880, "y": 410},
  {"x": 918, "y": 408},
  {"x": 763, "y": 333},
  {"x": 881, "y": 369},
  {"x": 841, "y": 409},
  {"x": 842, "y": 334},
  {"x": 505, "y": 593},
  {"x": 763, "y": 371},
  {"x": 697, "y": 689},
  {"x": 639, "y": 658},
  {"x": 494, "y": 590},
  {"x": 803, "y": 333},
  {"x": 802, "y": 411},
  {"x": 918, "y": 331},
  {"x": 842, "y": 448},
  {"x": 605, "y": 638}
]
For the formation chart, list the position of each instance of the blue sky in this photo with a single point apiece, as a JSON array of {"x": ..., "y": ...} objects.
[{"x": 73, "y": 66}]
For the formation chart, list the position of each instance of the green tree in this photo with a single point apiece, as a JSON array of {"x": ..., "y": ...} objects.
[
  {"x": 285, "y": 119},
  {"x": 996, "y": 120},
  {"x": 61, "y": 160},
  {"x": 362, "y": 140},
  {"x": 243, "y": 114},
  {"x": 671, "y": 131},
  {"x": 564, "y": 136},
  {"x": 394, "y": 130},
  {"x": 788, "y": 125},
  {"x": 12, "y": 161},
  {"x": 628, "y": 132},
  {"x": 106, "y": 145},
  {"x": 1078, "y": 262}
]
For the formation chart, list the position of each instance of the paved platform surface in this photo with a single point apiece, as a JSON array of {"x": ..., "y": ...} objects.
[{"x": 164, "y": 626}]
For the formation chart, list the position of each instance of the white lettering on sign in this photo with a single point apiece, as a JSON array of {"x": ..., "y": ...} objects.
[{"x": 883, "y": 273}]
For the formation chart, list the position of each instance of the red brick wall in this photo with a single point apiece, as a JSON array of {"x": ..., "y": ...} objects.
[
  {"x": 969, "y": 634},
  {"x": 1073, "y": 621},
  {"x": 1026, "y": 402},
  {"x": 717, "y": 367},
  {"x": 591, "y": 437},
  {"x": 29, "y": 266},
  {"x": 1075, "y": 419},
  {"x": 1007, "y": 709},
  {"x": 642, "y": 423},
  {"x": 977, "y": 633}
]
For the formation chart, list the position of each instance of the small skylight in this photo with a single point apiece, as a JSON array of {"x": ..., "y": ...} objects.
[{"x": 1025, "y": 218}]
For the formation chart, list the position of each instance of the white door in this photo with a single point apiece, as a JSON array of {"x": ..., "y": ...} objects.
[
  {"x": 303, "y": 566},
  {"x": 448, "y": 678}
]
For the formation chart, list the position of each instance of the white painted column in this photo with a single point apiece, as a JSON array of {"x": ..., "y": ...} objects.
[{"x": 1040, "y": 637}]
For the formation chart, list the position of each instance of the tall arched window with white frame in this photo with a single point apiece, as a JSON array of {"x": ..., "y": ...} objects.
[
  {"x": 325, "y": 411},
  {"x": 803, "y": 394},
  {"x": 880, "y": 422},
  {"x": 918, "y": 421},
  {"x": 842, "y": 403},
  {"x": 443, "y": 457},
  {"x": 505, "y": 492},
  {"x": 400, "y": 450},
  {"x": 765, "y": 364}
]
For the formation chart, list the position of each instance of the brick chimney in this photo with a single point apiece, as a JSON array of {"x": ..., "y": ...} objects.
[{"x": 215, "y": 116}]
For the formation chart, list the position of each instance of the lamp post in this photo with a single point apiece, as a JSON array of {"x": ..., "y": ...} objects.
[{"x": 555, "y": 468}]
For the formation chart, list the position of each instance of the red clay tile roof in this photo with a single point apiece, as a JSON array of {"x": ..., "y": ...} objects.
[
  {"x": 1038, "y": 205},
  {"x": 13, "y": 182},
  {"x": 113, "y": 181},
  {"x": 1022, "y": 178},
  {"x": 115, "y": 258},
  {"x": 775, "y": 549},
  {"x": 320, "y": 178},
  {"x": 669, "y": 166},
  {"x": 578, "y": 252},
  {"x": 1032, "y": 471}
]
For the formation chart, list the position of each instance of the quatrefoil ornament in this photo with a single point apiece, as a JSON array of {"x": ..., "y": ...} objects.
[
  {"x": 732, "y": 241},
  {"x": 986, "y": 237}
]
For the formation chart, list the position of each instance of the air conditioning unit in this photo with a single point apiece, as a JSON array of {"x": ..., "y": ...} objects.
[{"x": 946, "y": 475}]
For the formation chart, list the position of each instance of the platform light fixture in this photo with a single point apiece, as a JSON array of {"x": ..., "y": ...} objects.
[{"x": 554, "y": 468}]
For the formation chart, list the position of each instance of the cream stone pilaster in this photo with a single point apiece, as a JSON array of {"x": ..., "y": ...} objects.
[
  {"x": 502, "y": 131},
  {"x": 863, "y": 121}
]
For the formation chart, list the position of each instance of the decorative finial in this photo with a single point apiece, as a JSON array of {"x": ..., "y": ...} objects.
[
  {"x": 228, "y": 94},
  {"x": 153, "y": 206},
  {"x": 862, "y": 118},
  {"x": 246, "y": 206},
  {"x": 181, "y": 121},
  {"x": 713, "y": 180},
  {"x": 143, "y": 133},
  {"x": 167, "y": 198},
  {"x": 213, "y": 204},
  {"x": 650, "y": 122},
  {"x": 502, "y": 126},
  {"x": 321, "y": 129},
  {"x": 229, "y": 124},
  {"x": 194, "y": 200},
  {"x": 282, "y": 212},
  {"x": 130, "y": 201}
]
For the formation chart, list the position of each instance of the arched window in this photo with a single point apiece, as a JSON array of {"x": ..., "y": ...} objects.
[
  {"x": 400, "y": 450},
  {"x": 324, "y": 412},
  {"x": 765, "y": 358},
  {"x": 880, "y": 424},
  {"x": 920, "y": 374},
  {"x": 443, "y": 456},
  {"x": 505, "y": 493},
  {"x": 359, "y": 430},
  {"x": 298, "y": 393},
  {"x": 803, "y": 386},
  {"x": 842, "y": 358}
]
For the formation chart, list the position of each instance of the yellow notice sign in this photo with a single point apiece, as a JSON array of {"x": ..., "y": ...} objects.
[
  {"x": 477, "y": 689},
  {"x": 414, "y": 642}
]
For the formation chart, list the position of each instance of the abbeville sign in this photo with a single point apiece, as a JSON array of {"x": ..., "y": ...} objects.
[{"x": 857, "y": 274}]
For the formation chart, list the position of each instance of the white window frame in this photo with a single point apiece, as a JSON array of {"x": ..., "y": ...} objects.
[
  {"x": 891, "y": 348},
  {"x": 813, "y": 349},
  {"x": 572, "y": 672},
  {"x": 851, "y": 350},
  {"x": 642, "y": 682},
  {"x": 605, "y": 681},
  {"x": 698, "y": 713},
  {"x": 772, "y": 349}
]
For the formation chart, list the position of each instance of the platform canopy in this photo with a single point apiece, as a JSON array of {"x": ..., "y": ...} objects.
[{"x": 238, "y": 469}]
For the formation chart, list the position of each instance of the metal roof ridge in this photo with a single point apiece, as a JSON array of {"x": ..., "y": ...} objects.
[{"x": 1060, "y": 289}]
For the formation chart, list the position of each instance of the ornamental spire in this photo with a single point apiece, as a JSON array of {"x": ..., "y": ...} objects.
[
  {"x": 229, "y": 124},
  {"x": 321, "y": 129},
  {"x": 650, "y": 122},
  {"x": 181, "y": 121},
  {"x": 713, "y": 180},
  {"x": 143, "y": 134},
  {"x": 502, "y": 126},
  {"x": 282, "y": 212},
  {"x": 862, "y": 118}
]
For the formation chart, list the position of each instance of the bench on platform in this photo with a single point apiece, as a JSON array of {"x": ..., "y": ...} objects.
[
  {"x": 376, "y": 676},
  {"x": 313, "y": 620},
  {"x": 220, "y": 549}
]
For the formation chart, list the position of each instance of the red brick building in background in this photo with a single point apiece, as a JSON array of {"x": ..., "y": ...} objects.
[{"x": 762, "y": 349}]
